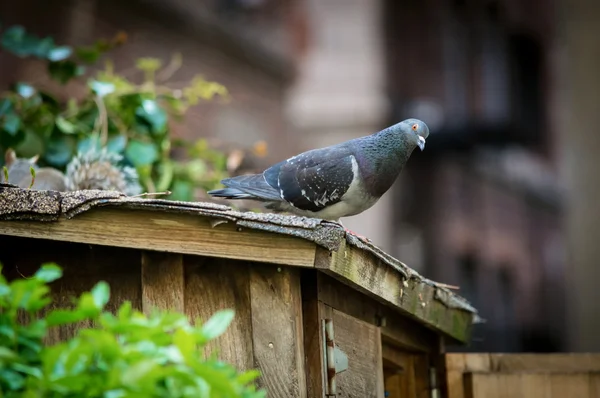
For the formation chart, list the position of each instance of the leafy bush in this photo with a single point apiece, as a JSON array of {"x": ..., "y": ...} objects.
[
  {"x": 127, "y": 354},
  {"x": 128, "y": 118}
]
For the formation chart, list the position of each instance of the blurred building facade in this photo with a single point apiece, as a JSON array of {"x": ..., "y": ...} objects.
[{"x": 479, "y": 208}]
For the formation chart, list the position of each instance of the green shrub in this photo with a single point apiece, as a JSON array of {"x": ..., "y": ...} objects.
[
  {"x": 116, "y": 113},
  {"x": 127, "y": 354}
]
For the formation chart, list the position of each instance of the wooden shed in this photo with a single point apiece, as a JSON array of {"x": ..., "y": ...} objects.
[{"x": 319, "y": 313}]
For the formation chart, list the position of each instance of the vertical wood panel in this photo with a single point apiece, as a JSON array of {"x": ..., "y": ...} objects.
[
  {"x": 162, "y": 281},
  {"x": 313, "y": 338},
  {"x": 361, "y": 342},
  {"x": 83, "y": 266},
  {"x": 277, "y": 330},
  {"x": 213, "y": 284}
]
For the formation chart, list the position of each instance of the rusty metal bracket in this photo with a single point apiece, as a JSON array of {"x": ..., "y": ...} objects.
[{"x": 335, "y": 360}]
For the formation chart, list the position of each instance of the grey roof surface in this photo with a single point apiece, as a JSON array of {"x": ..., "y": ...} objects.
[{"x": 48, "y": 206}]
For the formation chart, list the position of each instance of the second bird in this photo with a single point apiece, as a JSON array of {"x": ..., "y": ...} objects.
[{"x": 336, "y": 181}]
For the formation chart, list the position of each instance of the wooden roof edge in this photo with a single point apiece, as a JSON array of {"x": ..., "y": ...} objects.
[
  {"x": 323, "y": 245},
  {"x": 430, "y": 303}
]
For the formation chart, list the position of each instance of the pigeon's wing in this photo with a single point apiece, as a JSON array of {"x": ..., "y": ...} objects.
[{"x": 315, "y": 179}]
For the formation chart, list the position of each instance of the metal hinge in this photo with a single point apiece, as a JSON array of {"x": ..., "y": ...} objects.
[{"x": 335, "y": 360}]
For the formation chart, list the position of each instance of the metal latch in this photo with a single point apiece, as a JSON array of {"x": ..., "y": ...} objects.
[{"x": 335, "y": 360}]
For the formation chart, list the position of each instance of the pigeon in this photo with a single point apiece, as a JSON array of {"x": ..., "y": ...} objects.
[{"x": 336, "y": 181}]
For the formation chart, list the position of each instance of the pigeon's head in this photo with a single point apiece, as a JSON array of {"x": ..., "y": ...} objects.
[{"x": 416, "y": 130}]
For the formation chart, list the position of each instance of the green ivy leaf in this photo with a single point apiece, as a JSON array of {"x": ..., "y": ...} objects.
[
  {"x": 218, "y": 323},
  {"x": 24, "y": 90},
  {"x": 101, "y": 294},
  {"x": 101, "y": 88},
  {"x": 65, "y": 126},
  {"x": 141, "y": 153},
  {"x": 48, "y": 272},
  {"x": 63, "y": 71},
  {"x": 63, "y": 317},
  {"x": 31, "y": 145},
  {"x": 59, "y": 150},
  {"x": 11, "y": 124},
  {"x": 59, "y": 53},
  {"x": 116, "y": 144},
  {"x": 91, "y": 143},
  {"x": 5, "y": 106},
  {"x": 182, "y": 190},
  {"x": 8, "y": 140},
  {"x": 151, "y": 113}
]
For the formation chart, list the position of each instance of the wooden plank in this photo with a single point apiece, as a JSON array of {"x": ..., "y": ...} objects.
[
  {"x": 216, "y": 284},
  {"x": 363, "y": 271},
  {"x": 162, "y": 281},
  {"x": 169, "y": 232},
  {"x": 530, "y": 385},
  {"x": 313, "y": 338},
  {"x": 83, "y": 266},
  {"x": 362, "y": 344},
  {"x": 574, "y": 362},
  {"x": 395, "y": 328},
  {"x": 277, "y": 336}
]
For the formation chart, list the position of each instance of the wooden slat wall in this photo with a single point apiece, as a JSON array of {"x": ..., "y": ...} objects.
[
  {"x": 266, "y": 332},
  {"x": 532, "y": 385},
  {"x": 522, "y": 375}
]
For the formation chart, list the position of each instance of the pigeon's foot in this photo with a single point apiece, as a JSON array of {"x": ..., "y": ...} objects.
[{"x": 349, "y": 232}]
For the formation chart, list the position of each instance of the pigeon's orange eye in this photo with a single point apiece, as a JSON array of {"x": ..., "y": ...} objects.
[{"x": 415, "y": 127}]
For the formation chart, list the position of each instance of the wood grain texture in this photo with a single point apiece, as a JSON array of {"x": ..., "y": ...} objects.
[
  {"x": 522, "y": 375},
  {"x": 531, "y": 385},
  {"x": 410, "y": 371},
  {"x": 363, "y": 271},
  {"x": 216, "y": 284},
  {"x": 362, "y": 344},
  {"x": 83, "y": 266},
  {"x": 312, "y": 313},
  {"x": 396, "y": 328},
  {"x": 169, "y": 232},
  {"x": 277, "y": 330},
  {"x": 162, "y": 281}
]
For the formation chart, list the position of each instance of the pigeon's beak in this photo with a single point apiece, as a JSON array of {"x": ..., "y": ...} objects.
[{"x": 421, "y": 143}]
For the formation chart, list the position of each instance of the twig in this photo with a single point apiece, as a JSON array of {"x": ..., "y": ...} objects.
[
  {"x": 170, "y": 69},
  {"x": 103, "y": 118},
  {"x": 151, "y": 194},
  {"x": 453, "y": 287}
]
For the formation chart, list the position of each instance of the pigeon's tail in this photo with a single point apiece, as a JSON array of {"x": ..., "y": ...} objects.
[{"x": 251, "y": 186}]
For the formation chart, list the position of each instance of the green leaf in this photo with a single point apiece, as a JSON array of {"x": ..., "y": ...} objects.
[
  {"x": 31, "y": 145},
  {"x": 5, "y": 170},
  {"x": 148, "y": 64},
  {"x": 49, "y": 272},
  {"x": 218, "y": 323},
  {"x": 141, "y": 153},
  {"x": 63, "y": 71},
  {"x": 166, "y": 173},
  {"x": 24, "y": 90},
  {"x": 116, "y": 144},
  {"x": 65, "y": 126},
  {"x": 59, "y": 53},
  {"x": 59, "y": 150},
  {"x": 91, "y": 143},
  {"x": 88, "y": 54},
  {"x": 101, "y": 88},
  {"x": 151, "y": 113},
  {"x": 11, "y": 124},
  {"x": 8, "y": 140},
  {"x": 64, "y": 317},
  {"x": 182, "y": 190},
  {"x": 101, "y": 294},
  {"x": 5, "y": 106}
]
